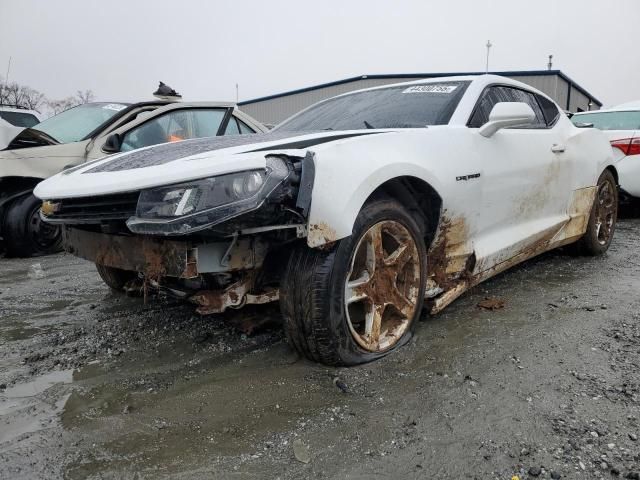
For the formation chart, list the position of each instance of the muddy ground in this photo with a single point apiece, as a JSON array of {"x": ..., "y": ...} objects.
[{"x": 98, "y": 385}]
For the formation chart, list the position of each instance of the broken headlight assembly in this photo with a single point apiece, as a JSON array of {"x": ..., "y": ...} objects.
[{"x": 199, "y": 204}]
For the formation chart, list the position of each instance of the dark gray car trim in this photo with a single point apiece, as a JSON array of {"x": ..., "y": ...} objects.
[{"x": 169, "y": 152}]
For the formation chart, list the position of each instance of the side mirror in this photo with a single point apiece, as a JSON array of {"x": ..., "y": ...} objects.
[
  {"x": 507, "y": 114},
  {"x": 112, "y": 144}
]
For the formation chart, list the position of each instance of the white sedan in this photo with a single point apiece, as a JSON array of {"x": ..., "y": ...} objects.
[
  {"x": 354, "y": 213},
  {"x": 621, "y": 126}
]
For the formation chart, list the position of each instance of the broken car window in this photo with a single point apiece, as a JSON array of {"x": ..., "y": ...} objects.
[
  {"x": 413, "y": 106},
  {"x": 174, "y": 126}
]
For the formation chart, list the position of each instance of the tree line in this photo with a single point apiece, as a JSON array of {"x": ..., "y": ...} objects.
[{"x": 15, "y": 94}]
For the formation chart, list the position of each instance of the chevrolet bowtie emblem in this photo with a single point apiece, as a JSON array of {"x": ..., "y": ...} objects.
[{"x": 49, "y": 208}]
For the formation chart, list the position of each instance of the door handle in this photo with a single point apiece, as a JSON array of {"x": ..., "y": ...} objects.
[{"x": 557, "y": 148}]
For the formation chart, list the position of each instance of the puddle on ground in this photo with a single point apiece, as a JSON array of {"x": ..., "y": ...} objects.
[{"x": 33, "y": 406}]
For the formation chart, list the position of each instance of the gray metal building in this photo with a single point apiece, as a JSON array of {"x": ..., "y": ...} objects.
[{"x": 275, "y": 108}]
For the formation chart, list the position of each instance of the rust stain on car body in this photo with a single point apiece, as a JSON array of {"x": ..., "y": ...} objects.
[
  {"x": 448, "y": 256},
  {"x": 321, "y": 234},
  {"x": 579, "y": 211},
  {"x": 451, "y": 266},
  {"x": 155, "y": 258},
  {"x": 235, "y": 295}
]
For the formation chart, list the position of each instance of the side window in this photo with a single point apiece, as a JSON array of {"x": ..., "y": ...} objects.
[
  {"x": 232, "y": 127},
  {"x": 551, "y": 112},
  {"x": 493, "y": 95},
  {"x": 244, "y": 128},
  {"x": 530, "y": 99},
  {"x": 174, "y": 126},
  {"x": 490, "y": 97}
]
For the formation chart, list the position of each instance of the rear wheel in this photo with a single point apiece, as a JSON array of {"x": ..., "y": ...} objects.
[
  {"x": 24, "y": 232},
  {"x": 115, "y": 278},
  {"x": 361, "y": 300},
  {"x": 603, "y": 218}
]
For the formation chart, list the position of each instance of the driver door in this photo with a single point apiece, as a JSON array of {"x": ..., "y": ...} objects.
[{"x": 524, "y": 184}]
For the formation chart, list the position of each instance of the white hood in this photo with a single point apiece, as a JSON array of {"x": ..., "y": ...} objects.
[{"x": 177, "y": 162}]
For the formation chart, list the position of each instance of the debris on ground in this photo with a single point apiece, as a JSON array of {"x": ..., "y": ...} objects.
[
  {"x": 491, "y": 303},
  {"x": 340, "y": 384},
  {"x": 301, "y": 451}
]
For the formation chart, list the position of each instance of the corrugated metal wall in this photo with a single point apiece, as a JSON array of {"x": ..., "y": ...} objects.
[{"x": 274, "y": 110}]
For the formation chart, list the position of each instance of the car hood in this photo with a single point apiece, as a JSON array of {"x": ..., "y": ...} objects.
[
  {"x": 170, "y": 163},
  {"x": 41, "y": 162}
]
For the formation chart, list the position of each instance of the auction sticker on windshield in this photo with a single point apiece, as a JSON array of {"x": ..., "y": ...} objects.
[
  {"x": 114, "y": 106},
  {"x": 430, "y": 89}
]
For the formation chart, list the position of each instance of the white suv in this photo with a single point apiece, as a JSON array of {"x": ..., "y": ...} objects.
[{"x": 13, "y": 120}]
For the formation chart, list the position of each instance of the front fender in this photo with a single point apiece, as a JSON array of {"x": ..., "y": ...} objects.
[{"x": 344, "y": 180}]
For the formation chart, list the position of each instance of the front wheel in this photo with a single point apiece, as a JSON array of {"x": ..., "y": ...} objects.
[
  {"x": 603, "y": 218},
  {"x": 24, "y": 232},
  {"x": 115, "y": 278},
  {"x": 360, "y": 300}
]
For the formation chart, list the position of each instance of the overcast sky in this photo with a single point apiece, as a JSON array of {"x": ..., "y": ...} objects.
[{"x": 121, "y": 48}]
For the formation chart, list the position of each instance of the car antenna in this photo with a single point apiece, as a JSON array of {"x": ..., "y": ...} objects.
[{"x": 165, "y": 92}]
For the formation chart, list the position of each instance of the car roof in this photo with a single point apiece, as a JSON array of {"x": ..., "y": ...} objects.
[
  {"x": 5, "y": 108},
  {"x": 146, "y": 103},
  {"x": 480, "y": 81}
]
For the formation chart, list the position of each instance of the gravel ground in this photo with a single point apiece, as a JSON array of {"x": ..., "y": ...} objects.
[{"x": 98, "y": 385}]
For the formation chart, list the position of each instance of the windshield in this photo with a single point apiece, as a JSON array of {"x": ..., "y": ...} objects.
[
  {"x": 610, "y": 120},
  {"x": 414, "y": 106},
  {"x": 76, "y": 123},
  {"x": 19, "y": 119}
]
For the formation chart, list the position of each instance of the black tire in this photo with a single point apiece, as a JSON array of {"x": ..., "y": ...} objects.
[
  {"x": 602, "y": 220},
  {"x": 312, "y": 293},
  {"x": 25, "y": 234},
  {"x": 115, "y": 278}
]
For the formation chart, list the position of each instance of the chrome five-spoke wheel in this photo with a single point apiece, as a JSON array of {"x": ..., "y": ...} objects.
[{"x": 383, "y": 286}]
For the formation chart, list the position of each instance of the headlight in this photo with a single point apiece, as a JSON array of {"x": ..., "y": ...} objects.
[
  {"x": 199, "y": 204},
  {"x": 196, "y": 196}
]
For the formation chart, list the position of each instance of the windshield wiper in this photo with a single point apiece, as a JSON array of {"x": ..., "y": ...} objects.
[{"x": 368, "y": 125}]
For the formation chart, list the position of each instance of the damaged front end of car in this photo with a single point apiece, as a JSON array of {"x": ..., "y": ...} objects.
[{"x": 220, "y": 242}]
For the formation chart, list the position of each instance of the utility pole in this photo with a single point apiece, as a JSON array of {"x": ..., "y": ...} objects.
[
  {"x": 550, "y": 64},
  {"x": 486, "y": 70},
  {"x": 237, "y": 93}
]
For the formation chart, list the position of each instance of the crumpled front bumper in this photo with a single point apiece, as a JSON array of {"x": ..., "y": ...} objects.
[{"x": 161, "y": 257}]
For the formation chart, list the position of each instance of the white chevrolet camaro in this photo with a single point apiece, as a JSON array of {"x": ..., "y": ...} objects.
[{"x": 355, "y": 213}]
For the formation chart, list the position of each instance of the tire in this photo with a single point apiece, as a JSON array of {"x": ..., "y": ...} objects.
[
  {"x": 318, "y": 322},
  {"x": 603, "y": 218},
  {"x": 25, "y": 234},
  {"x": 115, "y": 278}
]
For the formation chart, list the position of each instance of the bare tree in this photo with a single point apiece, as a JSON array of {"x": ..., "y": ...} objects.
[
  {"x": 21, "y": 96},
  {"x": 85, "y": 96},
  {"x": 57, "y": 106},
  {"x": 15, "y": 94}
]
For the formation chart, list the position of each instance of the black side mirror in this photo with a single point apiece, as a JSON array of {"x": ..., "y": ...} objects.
[{"x": 112, "y": 144}]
